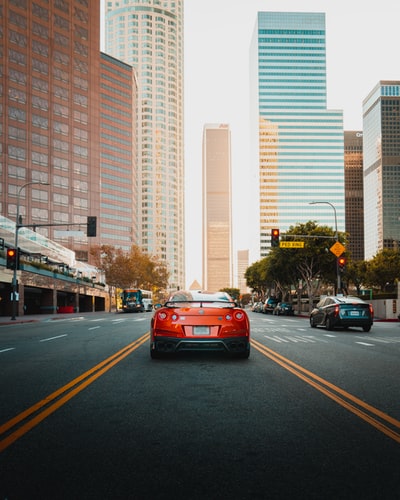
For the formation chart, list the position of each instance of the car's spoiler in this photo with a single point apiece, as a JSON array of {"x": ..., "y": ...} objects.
[{"x": 201, "y": 303}]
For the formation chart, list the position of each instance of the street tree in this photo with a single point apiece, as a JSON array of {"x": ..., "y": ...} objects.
[
  {"x": 383, "y": 269},
  {"x": 130, "y": 269},
  {"x": 289, "y": 267},
  {"x": 356, "y": 273}
]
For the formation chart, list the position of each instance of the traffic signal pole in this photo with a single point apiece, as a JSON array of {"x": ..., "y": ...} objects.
[{"x": 339, "y": 285}]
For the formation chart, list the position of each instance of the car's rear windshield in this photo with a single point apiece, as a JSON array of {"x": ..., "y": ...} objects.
[
  {"x": 200, "y": 303},
  {"x": 351, "y": 300}
]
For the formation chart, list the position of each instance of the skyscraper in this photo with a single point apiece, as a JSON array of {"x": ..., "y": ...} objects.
[
  {"x": 381, "y": 145},
  {"x": 149, "y": 37},
  {"x": 354, "y": 192},
  {"x": 242, "y": 265},
  {"x": 300, "y": 142},
  {"x": 49, "y": 116},
  {"x": 118, "y": 100},
  {"x": 217, "y": 208}
]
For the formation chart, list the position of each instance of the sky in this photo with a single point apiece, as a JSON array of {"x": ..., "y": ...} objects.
[{"x": 362, "y": 49}]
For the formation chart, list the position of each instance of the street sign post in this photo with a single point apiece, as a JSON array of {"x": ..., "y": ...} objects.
[{"x": 337, "y": 249}]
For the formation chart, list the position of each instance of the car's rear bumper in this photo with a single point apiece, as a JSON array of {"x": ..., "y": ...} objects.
[
  {"x": 233, "y": 345},
  {"x": 352, "y": 323}
]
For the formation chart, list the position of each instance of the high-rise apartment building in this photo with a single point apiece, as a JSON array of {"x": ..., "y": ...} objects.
[
  {"x": 354, "y": 192},
  {"x": 217, "y": 208},
  {"x": 300, "y": 142},
  {"x": 149, "y": 36},
  {"x": 381, "y": 146},
  {"x": 49, "y": 115}
]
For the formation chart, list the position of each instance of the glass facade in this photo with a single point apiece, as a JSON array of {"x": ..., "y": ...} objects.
[
  {"x": 149, "y": 36},
  {"x": 300, "y": 149},
  {"x": 381, "y": 124}
]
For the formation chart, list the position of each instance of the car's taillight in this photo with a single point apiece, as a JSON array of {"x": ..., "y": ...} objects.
[
  {"x": 162, "y": 315},
  {"x": 371, "y": 310},
  {"x": 337, "y": 310},
  {"x": 239, "y": 315}
]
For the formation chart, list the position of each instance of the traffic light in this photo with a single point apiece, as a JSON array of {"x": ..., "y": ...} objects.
[
  {"x": 274, "y": 238},
  {"x": 12, "y": 258},
  {"x": 342, "y": 264},
  {"x": 91, "y": 226}
]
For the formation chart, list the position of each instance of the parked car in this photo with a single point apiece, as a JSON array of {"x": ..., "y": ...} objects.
[
  {"x": 283, "y": 309},
  {"x": 342, "y": 311},
  {"x": 257, "y": 307},
  {"x": 270, "y": 304},
  {"x": 197, "y": 321}
]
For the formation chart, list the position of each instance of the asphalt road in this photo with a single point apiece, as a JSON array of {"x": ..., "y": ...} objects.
[{"x": 86, "y": 414}]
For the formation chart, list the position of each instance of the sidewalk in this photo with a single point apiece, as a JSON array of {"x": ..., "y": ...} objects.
[{"x": 35, "y": 318}]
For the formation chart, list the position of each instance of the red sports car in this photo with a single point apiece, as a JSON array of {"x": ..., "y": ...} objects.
[{"x": 200, "y": 321}]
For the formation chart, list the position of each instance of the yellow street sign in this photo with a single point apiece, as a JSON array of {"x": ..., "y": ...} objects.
[
  {"x": 291, "y": 244},
  {"x": 337, "y": 249}
]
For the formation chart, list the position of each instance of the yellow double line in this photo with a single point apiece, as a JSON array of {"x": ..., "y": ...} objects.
[
  {"x": 377, "y": 418},
  {"x": 25, "y": 421}
]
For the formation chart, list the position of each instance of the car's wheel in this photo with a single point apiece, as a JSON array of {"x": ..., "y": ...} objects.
[
  {"x": 243, "y": 355},
  {"x": 367, "y": 328},
  {"x": 312, "y": 323},
  {"x": 328, "y": 323},
  {"x": 155, "y": 354}
]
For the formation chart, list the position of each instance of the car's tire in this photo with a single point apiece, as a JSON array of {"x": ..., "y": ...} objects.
[
  {"x": 367, "y": 328},
  {"x": 328, "y": 323},
  {"x": 312, "y": 323},
  {"x": 243, "y": 355},
  {"x": 155, "y": 354}
]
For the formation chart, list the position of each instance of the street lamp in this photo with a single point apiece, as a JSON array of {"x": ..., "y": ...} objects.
[
  {"x": 17, "y": 226},
  {"x": 336, "y": 236}
]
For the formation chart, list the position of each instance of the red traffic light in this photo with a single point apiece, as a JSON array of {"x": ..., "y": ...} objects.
[
  {"x": 274, "y": 237},
  {"x": 342, "y": 263},
  {"x": 12, "y": 258}
]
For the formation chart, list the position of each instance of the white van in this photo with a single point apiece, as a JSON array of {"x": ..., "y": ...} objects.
[{"x": 148, "y": 305}]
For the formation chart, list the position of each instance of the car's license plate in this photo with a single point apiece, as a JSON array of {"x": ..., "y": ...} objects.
[
  {"x": 354, "y": 313},
  {"x": 201, "y": 330}
]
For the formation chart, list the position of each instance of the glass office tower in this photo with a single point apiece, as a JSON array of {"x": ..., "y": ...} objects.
[
  {"x": 149, "y": 36},
  {"x": 381, "y": 145},
  {"x": 300, "y": 142}
]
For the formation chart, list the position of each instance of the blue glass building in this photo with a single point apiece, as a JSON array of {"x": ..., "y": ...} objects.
[
  {"x": 300, "y": 141},
  {"x": 381, "y": 144}
]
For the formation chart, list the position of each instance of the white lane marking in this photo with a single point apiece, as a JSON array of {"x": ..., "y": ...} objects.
[
  {"x": 276, "y": 339},
  {"x": 94, "y": 328},
  {"x": 9, "y": 349},
  {"x": 53, "y": 338},
  {"x": 98, "y": 319},
  {"x": 327, "y": 335},
  {"x": 387, "y": 340},
  {"x": 365, "y": 343}
]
